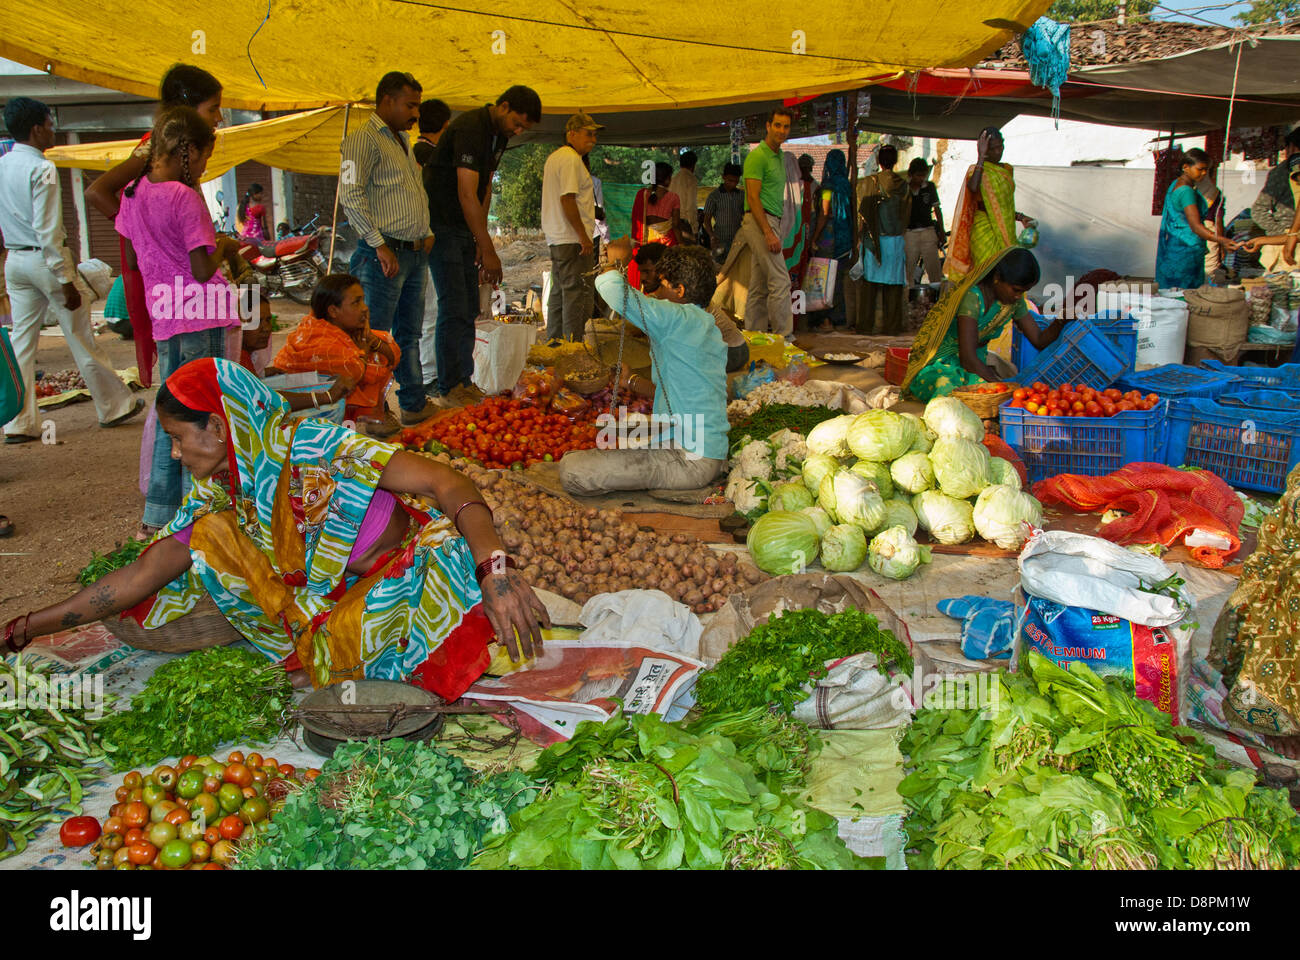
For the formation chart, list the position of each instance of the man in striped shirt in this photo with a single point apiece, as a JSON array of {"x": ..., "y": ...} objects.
[
  {"x": 723, "y": 212},
  {"x": 382, "y": 193}
]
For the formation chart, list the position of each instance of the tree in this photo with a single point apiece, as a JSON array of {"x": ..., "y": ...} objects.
[
  {"x": 1267, "y": 11},
  {"x": 518, "y": 185},
  {"x": 1084, "y": 11}
]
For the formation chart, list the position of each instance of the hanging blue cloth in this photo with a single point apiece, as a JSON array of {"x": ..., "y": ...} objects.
[{"x": 1046, "y": 46}]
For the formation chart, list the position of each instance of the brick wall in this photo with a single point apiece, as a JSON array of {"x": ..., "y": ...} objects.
[{"x": 313, "y": 194}]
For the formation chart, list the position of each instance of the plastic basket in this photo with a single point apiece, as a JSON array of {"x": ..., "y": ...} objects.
[
  {"x": 1285, "y": 377},
  {"x": 1081, "y": 354},
  {"x": 1119, "y": 328},
  {"x": 896, "y": 365},
  {"x": 1260, "y": 399},
  {"x": 1091, "y": 446},
  {"x": 1176, "y": 380},
  {"x": 1247, "y": 447}
]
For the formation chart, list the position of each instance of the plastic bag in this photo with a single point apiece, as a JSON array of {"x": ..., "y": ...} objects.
[
  {"x": 569, "y": 403},
  {"x": 500, "y": 354},
  {"x": 796, "y": 373},
  {"x": 536, "y": 386},
  {"x": 759, "y": 373}
]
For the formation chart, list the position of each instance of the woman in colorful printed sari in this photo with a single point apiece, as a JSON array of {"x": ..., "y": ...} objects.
[
  {"x": 1184, "y": 237},
  {"x": 951, "y": 348},
  {"x": 351, "y": 557},
  {"x": 985, "y": 219},
  {"x": 1255, "y": 640}
]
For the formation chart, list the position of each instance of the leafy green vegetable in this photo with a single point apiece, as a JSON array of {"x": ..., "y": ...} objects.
[
  {"x": 639, "y": 793},
  {"x": 195, "y": 702},
  {"x": 775, "y": 416},
  {"x": 394, "y": 804},
  {"x": 774, "y": 663},
  {"x": 102, "y": 564},
  {"x": 1065, "y": 770}
]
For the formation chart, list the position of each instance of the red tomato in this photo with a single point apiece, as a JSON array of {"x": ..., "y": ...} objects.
[
  {"x": 1092, "y": 408},
  {"x": 142, "y": 852},
  {"x": 136, "y": 814},
  {"x": 132, "y": 835},
  {"x": 1077, "y": 406},
  {"x": 79, "y": 831},
  {"x": 1124, "y": 405},
  {"x": 1018, "y": 404},
  {"x": 1108, "y": 408},
  {"x": 1031, "y": 407},
  {"x": 115, "y": 825},
  {"x": 231, "y": 827},
  {"x": 1152, "y": 399}
]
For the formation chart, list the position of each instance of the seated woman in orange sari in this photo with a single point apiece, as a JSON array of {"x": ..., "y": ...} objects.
[{"x": 336, "y": 340}]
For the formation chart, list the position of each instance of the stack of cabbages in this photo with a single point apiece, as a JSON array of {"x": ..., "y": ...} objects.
[{"x": 868, "y": 481}]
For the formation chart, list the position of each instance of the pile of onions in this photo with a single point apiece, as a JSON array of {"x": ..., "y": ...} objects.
[{"x": 579, "y": 552}]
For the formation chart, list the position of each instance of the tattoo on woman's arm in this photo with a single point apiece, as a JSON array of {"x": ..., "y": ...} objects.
[
  {"x": 70, "y": 619},
  {"x": 503, "y": 587},
  {"x": 101, "y": 601}
]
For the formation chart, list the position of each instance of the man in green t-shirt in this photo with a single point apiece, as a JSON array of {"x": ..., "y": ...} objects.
[{"x": 768, "y": 303}]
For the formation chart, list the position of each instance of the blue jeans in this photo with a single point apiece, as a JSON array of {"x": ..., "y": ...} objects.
[
  {"x": 169, "y": 482},
  {"x": 397, "y": 307},
  {"x": 455, "y": 274}
]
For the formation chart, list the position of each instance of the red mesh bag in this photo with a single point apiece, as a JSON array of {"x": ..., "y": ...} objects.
[
  {"x": 1163, "y": 505},
  {"x": 999, "y": 448}
]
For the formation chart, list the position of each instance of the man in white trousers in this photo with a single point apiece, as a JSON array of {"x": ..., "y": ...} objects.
[{"x": 40, "y": 273}]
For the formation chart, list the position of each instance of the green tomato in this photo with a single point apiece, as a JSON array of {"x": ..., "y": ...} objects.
[
  {"x": 190, "y": 784},
  {"x": 152, "y": 794},
  {"x": 175, "y": 854},
  {"x": 217, "y": 770},
  {"x": 206, "y": 808},
  {"x": 161, "y": 834},
  {"x": 190, "y": 831},
  {"x": 231, "y": 797},
  {"x": 253, "y": 810}
]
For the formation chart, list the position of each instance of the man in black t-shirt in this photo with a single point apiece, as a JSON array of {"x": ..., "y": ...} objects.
[
  {"x": 459, "y": 184},
  {"x": 924, "y": 234}
]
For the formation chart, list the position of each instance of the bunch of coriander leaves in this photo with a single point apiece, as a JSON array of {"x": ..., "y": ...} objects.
[
  {"x": 640, "y": 793},
  {"x": 195, "y": 702},
  {"x": 393, "y": 804},
  {"x": 1066, "y": 771},
  {"x": 779, "y": 658}
]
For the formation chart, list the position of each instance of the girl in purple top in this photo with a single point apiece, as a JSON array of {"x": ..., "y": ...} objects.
[{"x": 170, "y": 239}]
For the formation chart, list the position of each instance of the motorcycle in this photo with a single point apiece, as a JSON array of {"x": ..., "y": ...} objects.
[{"x": 292, "y": 264}]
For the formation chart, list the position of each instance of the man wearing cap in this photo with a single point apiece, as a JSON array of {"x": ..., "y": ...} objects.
[{"x": 569, "y": 222}]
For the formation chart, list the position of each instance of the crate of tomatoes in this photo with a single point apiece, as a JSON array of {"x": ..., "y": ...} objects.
[{"x": 1074, "y": 428}]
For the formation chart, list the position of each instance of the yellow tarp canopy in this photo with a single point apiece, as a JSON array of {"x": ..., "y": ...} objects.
[
  {"x": 599, "y": 56},
  {"x": 302, "y": 142}
]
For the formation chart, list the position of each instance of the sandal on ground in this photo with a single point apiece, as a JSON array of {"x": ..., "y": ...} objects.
[
  {"x": 145, "y": 533},
  {"x": 20, "y": 438},
  {"x": 6, "y": 527}
]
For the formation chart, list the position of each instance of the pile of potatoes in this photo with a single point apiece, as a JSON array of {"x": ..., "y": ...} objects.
[{"x": 579, "y": 552}]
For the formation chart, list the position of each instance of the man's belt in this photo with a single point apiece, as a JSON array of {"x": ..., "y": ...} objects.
[{"x": 393, "y": 244}]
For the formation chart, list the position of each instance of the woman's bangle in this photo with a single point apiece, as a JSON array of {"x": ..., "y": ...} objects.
[
  {"x": 10, "y": 627},
  {"x": 455, "y": 520},
  {"x": 497, "y": 563}
]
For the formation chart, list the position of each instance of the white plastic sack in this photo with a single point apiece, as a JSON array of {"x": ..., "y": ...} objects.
[
  {"x": 641, "y": 618},
  {"x": 855, "y": 695},
  {"x": 1077, "y": 570},
  {"x": 1161, "y": 327},
  {"x": 500, "y": 353},
  {"x": 98, "y": 276}
]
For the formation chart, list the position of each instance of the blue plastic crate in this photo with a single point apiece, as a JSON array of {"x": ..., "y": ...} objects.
[
  {"x": 1176, "y": 380},
  {"x": 1285, "y": 377},
  {"x": 1248, "y": 447},
  {"x": 1276, "y": 400},
  {"x": 1119, "y": 328},
  {"x": 1081, "y": 354},
  {"x": 1091, "y": 446}
]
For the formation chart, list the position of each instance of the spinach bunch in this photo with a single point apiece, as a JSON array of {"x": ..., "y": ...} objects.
[
  {"x": 195, "y": 702},
  {"x": 393, "y": 804},
  {"x": 1065, "y": 770},
  {"x": 662, "y": 798},
  {"x": 776, "y": 662}
]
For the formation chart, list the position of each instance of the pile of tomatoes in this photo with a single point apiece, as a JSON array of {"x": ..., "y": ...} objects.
[
  {"x": 187, "y": 816},
  {"x": 993, "y": 388},
  {"x": 503, "y": 433},
  {"x": 1079, "y": 400}
]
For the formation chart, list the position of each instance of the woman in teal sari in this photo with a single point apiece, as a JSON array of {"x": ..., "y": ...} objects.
[
  {"x": 1184, "y": 237},
  {"x": 951, "y": 348}
]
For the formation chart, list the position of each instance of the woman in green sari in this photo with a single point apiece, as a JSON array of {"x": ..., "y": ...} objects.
[
  {"x": 985, "y": 218},
  {"x": 951, "y": 348}
]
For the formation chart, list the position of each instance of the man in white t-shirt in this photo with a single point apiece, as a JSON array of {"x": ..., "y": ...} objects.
[
  {"x": 687, "y": 187},
  {"x": 569, "y": 222}
]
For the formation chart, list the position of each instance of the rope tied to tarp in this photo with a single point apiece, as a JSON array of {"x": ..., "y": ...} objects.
[{"x": 1046, "y": 47}]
